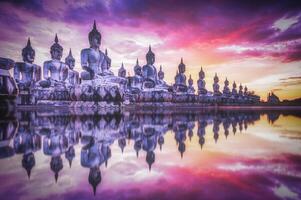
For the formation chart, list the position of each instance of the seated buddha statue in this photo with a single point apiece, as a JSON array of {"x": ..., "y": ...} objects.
[
  {"x": 180, "y": 78},
  {"x": 216, "y": 91},
  {"x": 226, "y": 90},
  {"x": 94, "y": 62},
  {"x": 201, "y": 83},
  {"x": 234, "y": 90},
  {"x": 149, "y": 71},
  {"x": 161, "y": 83},
  {"x": 54, "y": 70},
  {"x": 122, "y": 71},
  {"x": 190, "y": 89},
  {"x": 136, "y": 81},
  {"x": 26, "y": 73},
  {"x": 73, "y": 76}
]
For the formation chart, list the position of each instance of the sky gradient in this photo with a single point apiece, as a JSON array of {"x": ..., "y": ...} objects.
[{"x": 254, "y": 43}]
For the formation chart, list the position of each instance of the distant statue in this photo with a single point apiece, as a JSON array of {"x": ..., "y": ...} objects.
[
  {"x": 246, "y": 93},
  {"x": 201, "y": 83},
  {"x": 94, "y": 62},
  {"x": 226, "y": 90},
  {"x": 180, "y": 78},
  {"x": 216, "y": 91},
  {"x": 191, "y": 89},
  {"x": 137, "y": 80},
  {"x": 54, "y": 71},
  {"x": 73, "y": 76},
  {"x": 240, "y": 92},
  {"x": 122, "y": 71},
  {"x": 234, "y": 90},
  {"x": 161, "y": 82},
  {"x": 26, "y": 73},
  {"x": 149, "y": 71}
]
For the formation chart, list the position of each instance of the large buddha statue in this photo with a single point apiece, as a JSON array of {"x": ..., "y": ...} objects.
[
  {"x": 180, "y": 79},
  {"x": 94, "y": 62},
  {"x": 216, "y": 91},
  {"x": 73, "y": 76},
  {"x": 201, "y": 83},
  {"x": 226, "y": 90},
  {"x": 26, "y": 73},
  {"x": 240, "y": 92},
  {"x": 149, "y": 71},
  {"x": 54, "y": 70}
]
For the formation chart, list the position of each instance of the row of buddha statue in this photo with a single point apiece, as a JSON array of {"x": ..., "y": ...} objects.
[{"x": 62, "y": 85}]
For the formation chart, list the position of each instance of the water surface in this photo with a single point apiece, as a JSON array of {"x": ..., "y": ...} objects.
[{"x": 143, "y": 155}]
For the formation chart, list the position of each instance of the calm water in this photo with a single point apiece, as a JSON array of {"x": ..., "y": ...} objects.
[{"x": 204, "y": 155}]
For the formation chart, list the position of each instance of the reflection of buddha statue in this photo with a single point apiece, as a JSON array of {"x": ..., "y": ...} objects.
[
  {"x": 201, "y": 83},
  {"x": 191, "y": 89},
  {"x": 180, "y": 79},
  {"x": 73, "y": 76},
  {"x": 226, "y": 90},
  {"x": 216, "y": 91},
  {"x": 54, "y": 71},
  {"x": 26, "y": 73},
  {"x": 94, "y": 62},
  {"x": 149, "y": 71}
]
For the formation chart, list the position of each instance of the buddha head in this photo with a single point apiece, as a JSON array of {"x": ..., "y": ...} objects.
[
  {"x": 234, "y": 85},
  {"x": 226, "y": 82},
  {"x": 94, "y": 37},
  {"x": 69, "y": 60},
  {"x": 182, "y": 67},
  {"x": 215, "y": 78},
  {"x": 190, "y": 81},
  {"x": 150, "y": 57},
  {"x": 56, "y": 49},
  {"x": 28, "y": 52},
  {"x": 108, "y": 58},
  {"x": 137, "y": 69},
  {"x": 122, "y": 71},
  {"x": 201, "y": 74},
  {"x": 161, "y": 74}
]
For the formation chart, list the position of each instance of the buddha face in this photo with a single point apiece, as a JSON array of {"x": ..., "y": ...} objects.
[
  {"x": 56, "y": 54},
  {"x": 70, "y": 63},
  {"x": 138, "y": 71},
  {"x": 95, "y": 41},
  {"x": 182, "y": 69},
  {"x": 150, "y": 60},
  {"x": 28, "y": 56},
  {"x": 161, "y": 76}
]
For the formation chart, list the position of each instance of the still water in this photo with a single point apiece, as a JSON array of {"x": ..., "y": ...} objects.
[{"x": 146, "y": 155}]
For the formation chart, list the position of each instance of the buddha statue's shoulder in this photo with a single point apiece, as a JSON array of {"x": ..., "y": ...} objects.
[
  {"x": 48, "y": 62},
  {"x": 85, "y": 51}
]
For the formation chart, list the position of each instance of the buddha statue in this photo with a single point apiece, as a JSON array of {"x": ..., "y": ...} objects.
[
  {"x": 122, "y": 71},
  {"x": 161, "y": 82},
  {"x": 136, "y": 81},
  {"x": 73, "y": 76},
  {"x": 226, "y": 90},
  {"x": 246, "y": 93},
  {"x": 191, "y": 89},
  {"x": 201, "y": 83},
  {"x": 216, "y": 91},
  {"x": 240, "y": 92},
  {"x": 234, "y": 90},
  {"x": 149, "y": 71},
  {"x": 54, "y": 71},
  {"x": 180, "y": 79},
  {"x": 94, "y": 62},
  {"x": 26, "y": 73}
]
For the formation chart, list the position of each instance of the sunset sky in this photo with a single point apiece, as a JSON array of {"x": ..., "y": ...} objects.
[{"x": 254, "y": 43}]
